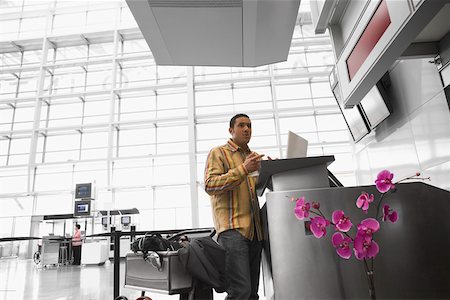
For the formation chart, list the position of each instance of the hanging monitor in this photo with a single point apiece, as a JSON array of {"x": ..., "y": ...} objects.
[
  {"x": 353, "y": 118},
  {"x": 82, "y": 208},
  {"x": 105, "y": 221},
  {"x": 374, "y": 107},
  {"x": 83, "y": 190},
  {"x": 125, "y": 220}
]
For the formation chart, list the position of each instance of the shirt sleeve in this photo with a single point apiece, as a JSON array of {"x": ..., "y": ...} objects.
[{"x": 217, "y": 180}]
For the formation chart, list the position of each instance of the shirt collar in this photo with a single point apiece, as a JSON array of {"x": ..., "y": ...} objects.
[{"x": 234, "y": 147}]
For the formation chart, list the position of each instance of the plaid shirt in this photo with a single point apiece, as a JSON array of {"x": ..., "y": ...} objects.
[{"x": 233, "y": 195}]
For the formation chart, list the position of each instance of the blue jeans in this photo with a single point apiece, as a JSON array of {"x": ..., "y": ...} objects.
[{"x": 243, "y": 258}]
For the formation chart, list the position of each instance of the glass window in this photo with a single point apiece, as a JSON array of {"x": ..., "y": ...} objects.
[
  {"x": 98, "y": 77},
  {"x": 298, "y": 124},
  {"x": 94, "y": 145},
  {"x": 6, "y": 114},
  {"x": 96, "y": 110},
  {"x": 71, "y": 53},
  {"x": 213, "y": 97},
  {"x": 8, "y": 29},
  {"x": 54, "y": 204},
  {"x": 69, "y": 23},
  {"x": 171, "y": 74},
  {"x": 101, "y": 50},
  {"x": 100, "y": 19},
  {"x": 53, "y": 178},
  {"x": 252, "y": 94},
  {"x": 68, "y": 80},
  {"x": 172, "y": 197},
  {"x": 135, "y": 46},
  {"x": 321, "y": 89},
  {"x": 8, "y": 88},
  {"x": 140, "y": 199},
  {"x": 94, "y": 172},
  {"x": 31, "y": 27},
  {"x": 126, "y": 18},
  {"x": 62, "y": 147},
  {"x": 10, "y": 59},
  {"x": 65, "y": 114},
  {"x": 138, "y": 107},
  {"x": 135, "y": 176},
  {"x": 134, "y": 142},
  {"x": 28, "y": 84},
  {"x": 330, "y": 122},
  {"x": 4, "y": 145},
  {"x": 23, "y": 118},
  {"x": 13, "y": 180},
  {"x": 168, "y": 172}
]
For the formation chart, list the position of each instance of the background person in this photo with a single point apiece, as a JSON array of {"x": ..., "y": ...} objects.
[
  {"x": 235, "y": 207},
  {"x": 76, "y": 245}
]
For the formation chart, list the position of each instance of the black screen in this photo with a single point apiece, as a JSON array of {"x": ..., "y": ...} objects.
[{"x": 83, "y": 190}]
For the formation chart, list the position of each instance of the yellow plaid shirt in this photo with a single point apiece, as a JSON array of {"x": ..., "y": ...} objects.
[{"x": 233, "y": 195}]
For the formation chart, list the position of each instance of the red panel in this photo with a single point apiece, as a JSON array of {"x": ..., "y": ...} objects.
[{"x": 372, "y": 33}]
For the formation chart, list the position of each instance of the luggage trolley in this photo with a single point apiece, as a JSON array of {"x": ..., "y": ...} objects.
[
  {"x": 162, "y": 272},
  {"x": 49, "y": 255}
]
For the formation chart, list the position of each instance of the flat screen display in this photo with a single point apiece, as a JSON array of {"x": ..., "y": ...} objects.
[
  {"x": 105, "y": 221},
  {"x": 352, "y": 116},
  {"x": 82, "y": 208},
  {"x": 83, "y": 190},
  {"x": 374, "y": 107},
  {"x": 125, "y": 220}
]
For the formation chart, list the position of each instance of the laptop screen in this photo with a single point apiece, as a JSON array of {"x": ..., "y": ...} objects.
[{"x": 296, "y": 146}]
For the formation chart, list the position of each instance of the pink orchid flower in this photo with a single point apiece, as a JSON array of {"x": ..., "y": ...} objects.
[
  {"x": 342, "y": 245},
  {"x": 301, "y": 208},
  {"x": 389, "y": 213},
  {"x": 384, "y": 181},
  {"x": 364, "y": 201},
  {"x": 364, "y": 246},
  {"x": 341, "y": 222},
  {"x": 368, "y": 226},
  {"x": 319, "y": 226}
]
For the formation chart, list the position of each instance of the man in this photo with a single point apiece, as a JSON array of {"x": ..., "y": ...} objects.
[{"x": 236, "y": 214}]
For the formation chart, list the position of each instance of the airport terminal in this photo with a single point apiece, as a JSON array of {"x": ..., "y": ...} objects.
[{"x": 140, "y": 141}]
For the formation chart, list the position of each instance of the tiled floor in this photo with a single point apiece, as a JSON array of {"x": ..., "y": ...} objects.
[{"x": 21, "y": 279}]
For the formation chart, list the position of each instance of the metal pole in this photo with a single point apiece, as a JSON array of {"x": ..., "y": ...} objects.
[{"x": 116, "y": 262}]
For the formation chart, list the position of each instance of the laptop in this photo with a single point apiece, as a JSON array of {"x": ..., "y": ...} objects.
[{"x": 297, "y": 146}]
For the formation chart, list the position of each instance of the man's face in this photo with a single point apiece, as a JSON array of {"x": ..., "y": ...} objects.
[{"x": 241, "y": 131}]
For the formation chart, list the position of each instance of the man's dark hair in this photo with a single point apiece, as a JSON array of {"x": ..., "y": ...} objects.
[
  {"x": 78, "y": 226},
  {"x": 233, "y": 119}
]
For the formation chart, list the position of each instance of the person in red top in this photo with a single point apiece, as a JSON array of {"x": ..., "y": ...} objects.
[{"x": 76, "y": 245}]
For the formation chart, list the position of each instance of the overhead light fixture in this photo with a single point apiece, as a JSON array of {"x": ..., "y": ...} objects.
[{"x": 246, "y": 33}]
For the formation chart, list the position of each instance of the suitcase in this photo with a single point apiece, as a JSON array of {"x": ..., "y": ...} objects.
[{"x": 165, "y": 274}]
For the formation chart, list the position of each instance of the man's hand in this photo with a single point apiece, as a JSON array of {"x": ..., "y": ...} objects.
[{"x": 253, "y": 162}]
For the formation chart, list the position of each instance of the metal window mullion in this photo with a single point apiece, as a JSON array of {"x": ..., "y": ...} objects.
[
  {"x": 111, "y": 110},
  {"x": 275, "y": 111},
  {"x": 192, "y": 147},
  {"x": 37, "y": 113}
]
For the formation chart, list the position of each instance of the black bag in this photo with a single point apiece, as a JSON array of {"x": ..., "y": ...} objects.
[
  {"x": 205, "y": 260},
  {"x": 153, "y": 242}
]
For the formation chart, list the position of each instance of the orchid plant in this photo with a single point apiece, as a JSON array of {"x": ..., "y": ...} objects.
[{"x": 362, "y": 244}]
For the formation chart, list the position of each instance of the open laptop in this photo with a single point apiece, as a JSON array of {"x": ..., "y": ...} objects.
[{"x": 296, "y": 146}]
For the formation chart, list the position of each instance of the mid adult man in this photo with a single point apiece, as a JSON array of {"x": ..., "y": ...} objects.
[{"x": 236, "y": 213}]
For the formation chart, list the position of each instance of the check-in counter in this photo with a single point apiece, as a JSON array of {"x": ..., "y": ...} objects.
[{"x": 94, "y": 251}]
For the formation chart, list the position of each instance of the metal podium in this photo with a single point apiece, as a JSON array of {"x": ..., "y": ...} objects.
[{"x": 413, "y": 261}]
